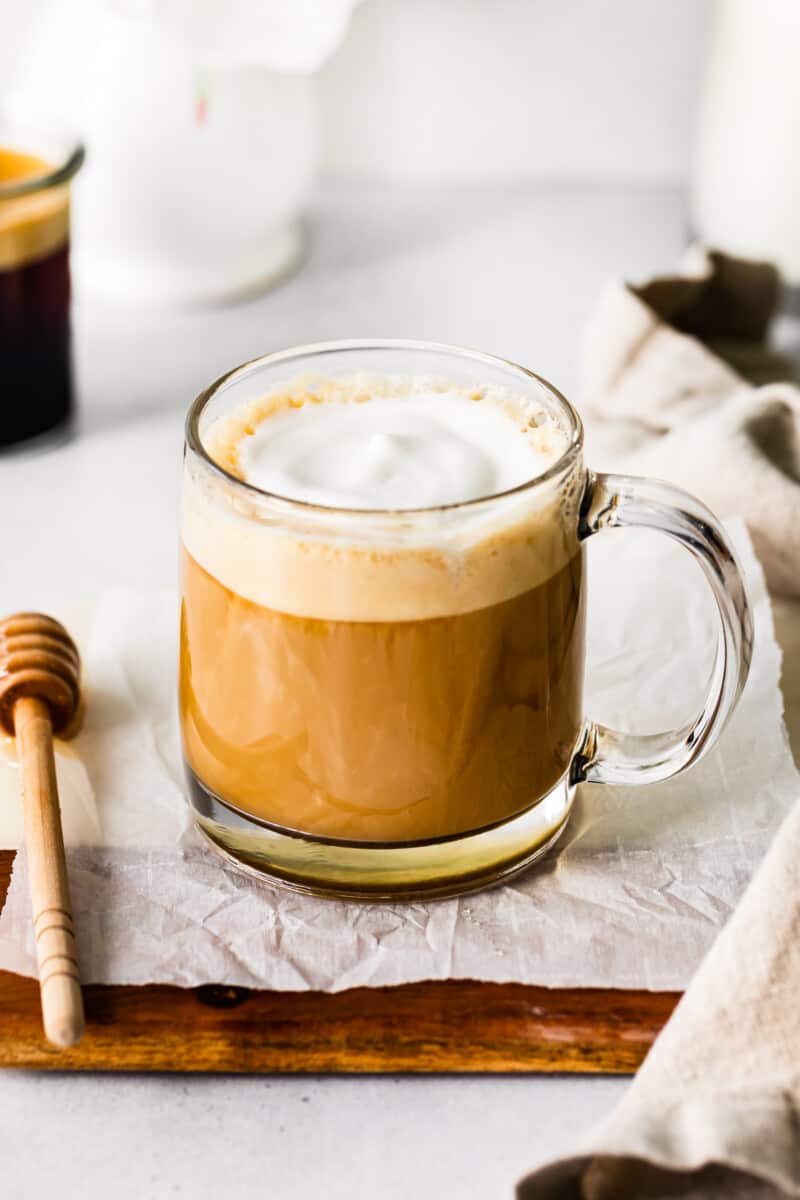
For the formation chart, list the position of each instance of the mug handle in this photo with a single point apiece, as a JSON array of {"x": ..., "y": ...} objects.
[{"x": 624, "y": 501}]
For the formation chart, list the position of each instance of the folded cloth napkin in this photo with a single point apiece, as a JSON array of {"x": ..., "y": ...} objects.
[
  {"x": 680, "y": 373},
  {"x": 680, "y": 383},
  {"x": 715, "y": 1110}
]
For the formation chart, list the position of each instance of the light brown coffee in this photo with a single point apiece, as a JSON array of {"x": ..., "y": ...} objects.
[
  {"x": 379, "y": 676},
  {"x": 381, "y": 731}
]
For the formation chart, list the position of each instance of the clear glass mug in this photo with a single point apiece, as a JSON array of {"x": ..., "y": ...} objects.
[{"x": 388, "y": 704}]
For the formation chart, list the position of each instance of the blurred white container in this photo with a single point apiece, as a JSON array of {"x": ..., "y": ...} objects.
[
  {"x": 746, "y": 194},
  {"x": 200, "y": 124}
]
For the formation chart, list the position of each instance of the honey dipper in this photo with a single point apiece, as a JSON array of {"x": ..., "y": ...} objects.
[{"x": 40, "y": 696}]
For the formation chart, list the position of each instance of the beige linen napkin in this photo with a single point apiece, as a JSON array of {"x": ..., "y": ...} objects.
[
  {"x": 679, "y": 383},
  {"x": 680, "y": 373}
]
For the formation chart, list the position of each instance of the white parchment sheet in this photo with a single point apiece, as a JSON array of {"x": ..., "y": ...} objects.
[{"x": 635, "y": 894}]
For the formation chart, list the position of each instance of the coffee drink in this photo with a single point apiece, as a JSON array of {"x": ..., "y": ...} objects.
[
  {"x": 382, "y": 624},
  {"x": 34, "y": 301}
]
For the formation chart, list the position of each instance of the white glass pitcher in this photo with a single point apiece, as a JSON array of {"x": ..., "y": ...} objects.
[
  {"x": 200, "y": 127},
  {"x": 746, "y": 194}
]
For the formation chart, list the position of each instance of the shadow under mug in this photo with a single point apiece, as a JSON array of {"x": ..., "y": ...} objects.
[{"x": 389, "y": 704}]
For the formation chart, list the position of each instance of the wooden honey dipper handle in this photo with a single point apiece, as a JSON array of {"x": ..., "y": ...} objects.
[
  {"x": 39, "y": 691},
  {"x": 59, "y": 976}
]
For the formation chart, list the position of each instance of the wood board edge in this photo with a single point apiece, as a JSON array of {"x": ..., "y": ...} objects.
[{"x": 449, "y": 1026}]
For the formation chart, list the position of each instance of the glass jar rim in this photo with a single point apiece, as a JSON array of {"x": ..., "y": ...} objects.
[
  {"x": 25, "y": 134},
  {"x": 194, "y": 441}
]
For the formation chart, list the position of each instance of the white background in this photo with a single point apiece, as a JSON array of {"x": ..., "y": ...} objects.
[{"x": 494, "y": 89}]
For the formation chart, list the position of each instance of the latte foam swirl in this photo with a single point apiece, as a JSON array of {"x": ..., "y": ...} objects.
[{"x": 417, "y": 451}]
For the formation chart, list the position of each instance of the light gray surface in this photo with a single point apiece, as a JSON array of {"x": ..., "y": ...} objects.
[
  {"x": 148, "y": 1137},
  {"x": 514, "y": 272}
]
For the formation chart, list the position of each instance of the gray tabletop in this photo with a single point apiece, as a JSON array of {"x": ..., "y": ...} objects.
[{"x": 514, "y": 272}]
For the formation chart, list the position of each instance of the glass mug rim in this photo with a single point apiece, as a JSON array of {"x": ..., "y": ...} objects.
[
  {"x": 194, "y": 441},
  {"x": 68, "y": 160}
]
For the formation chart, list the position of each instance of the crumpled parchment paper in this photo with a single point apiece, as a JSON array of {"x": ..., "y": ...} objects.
[{"x": 641, "y": 883}]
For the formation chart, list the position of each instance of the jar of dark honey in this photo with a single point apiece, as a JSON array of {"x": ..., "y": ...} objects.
[{"x": 36, "y": 385}]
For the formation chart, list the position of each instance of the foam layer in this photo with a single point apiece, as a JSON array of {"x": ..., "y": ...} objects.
[
  {"x": 32, "y": 226},
  {"x": 390, "y": 566},
  {"x": 417, "y": 451}
]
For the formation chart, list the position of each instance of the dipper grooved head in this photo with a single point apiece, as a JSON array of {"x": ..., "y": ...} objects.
[{"x": 39, "y": 659}]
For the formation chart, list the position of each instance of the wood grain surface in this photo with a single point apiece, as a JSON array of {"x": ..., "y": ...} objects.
[{"x": 449, "y": 1026}]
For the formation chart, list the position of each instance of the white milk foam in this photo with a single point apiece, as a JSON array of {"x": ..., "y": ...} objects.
[
  {"x": 416, "y": 451},
  {"x": 382, "y": 443}
]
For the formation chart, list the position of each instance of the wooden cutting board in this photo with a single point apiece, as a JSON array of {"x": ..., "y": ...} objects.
[{"x": 450, "y": 1026}]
